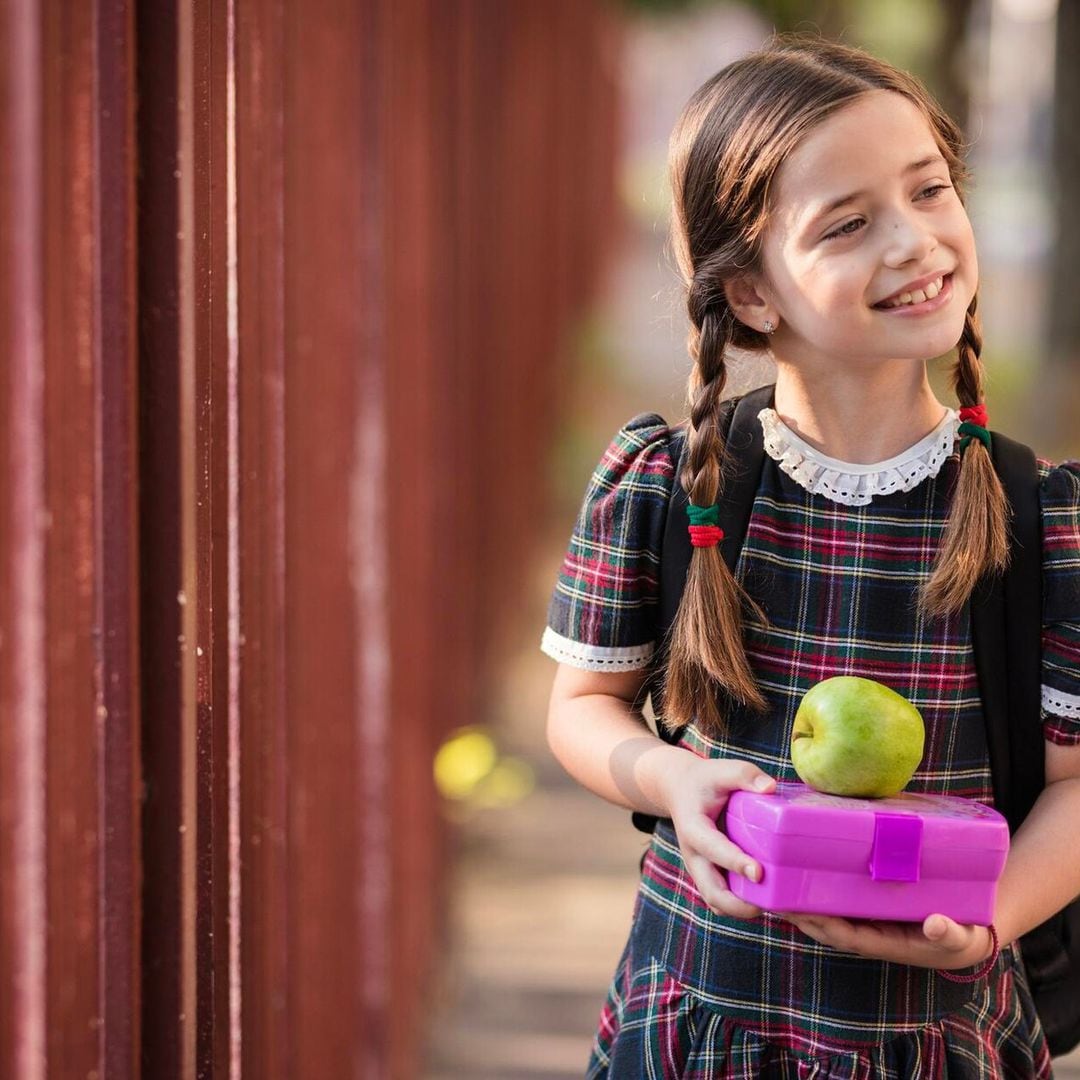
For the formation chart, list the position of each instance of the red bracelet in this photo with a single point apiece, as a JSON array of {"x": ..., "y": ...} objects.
[{"x": 984, "y": 968}]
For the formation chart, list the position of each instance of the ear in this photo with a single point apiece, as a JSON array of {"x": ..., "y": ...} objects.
[{"x": 744, "y": 296}]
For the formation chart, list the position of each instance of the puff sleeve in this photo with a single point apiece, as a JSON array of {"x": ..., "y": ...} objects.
[
  {"x": 1060, "y": 496},
  {"x": 603, "y": 609}
]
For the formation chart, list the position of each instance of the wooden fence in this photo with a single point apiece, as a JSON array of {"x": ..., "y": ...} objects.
[{"x": 285, "y": 295}]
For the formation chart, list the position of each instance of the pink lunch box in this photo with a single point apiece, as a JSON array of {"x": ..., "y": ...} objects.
[{"x": 901, "y": 858}]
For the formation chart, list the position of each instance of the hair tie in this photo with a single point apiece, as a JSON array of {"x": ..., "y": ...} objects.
[
  {"x": 704, "y": 526},
  {"x": 973, "y": 425}
]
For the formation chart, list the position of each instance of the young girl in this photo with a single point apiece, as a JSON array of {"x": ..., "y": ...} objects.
[{"x": 819, "y": 214}]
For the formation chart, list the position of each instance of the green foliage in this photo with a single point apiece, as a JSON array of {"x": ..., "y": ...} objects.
[
  {"x": 904, "y": 32},
  {"x": 798, "y": 14},
  {"x": 901, "y": 31},
  {"x": 782, "y": 14}
]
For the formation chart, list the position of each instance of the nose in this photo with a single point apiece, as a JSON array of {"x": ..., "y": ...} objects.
[{"x": 907, "y": 239}]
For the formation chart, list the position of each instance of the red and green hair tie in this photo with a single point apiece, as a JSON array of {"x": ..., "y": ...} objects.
[
  {"x": 704, "y": 525},
  {"x": 973, "y": 425}
]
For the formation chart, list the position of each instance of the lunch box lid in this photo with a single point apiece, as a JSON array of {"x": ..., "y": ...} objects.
[{"x": 794, "y": 809}]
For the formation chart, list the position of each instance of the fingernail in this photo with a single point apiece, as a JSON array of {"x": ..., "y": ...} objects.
[
  {"x": 751, "y": 872},
  {"x": 762, "y": 783}
]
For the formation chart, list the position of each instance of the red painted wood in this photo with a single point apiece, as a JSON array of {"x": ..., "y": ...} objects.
[
  {"x": 168, "y": 593},
  {"x": 68, "y": 623},
  {"x": 286, "y": 343},
  {"x": 117, "y": 569},
  {"x": 23, "y": 543},
  {"x": 339, "y": 807},
  {"x": 72, "y": 830},
  {"x": 259, "y": 972}
]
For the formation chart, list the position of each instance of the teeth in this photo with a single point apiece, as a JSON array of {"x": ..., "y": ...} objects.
[{"x": 919, "y": 296}]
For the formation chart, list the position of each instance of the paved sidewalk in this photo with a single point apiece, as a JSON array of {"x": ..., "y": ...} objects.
[{"x": 540, "y": 907}]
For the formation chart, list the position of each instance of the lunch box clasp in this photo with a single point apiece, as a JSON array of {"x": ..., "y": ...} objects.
[{"x": 897, "y": 847}]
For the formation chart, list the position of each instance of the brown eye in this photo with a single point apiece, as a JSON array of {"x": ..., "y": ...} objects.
[{"x": 844, "y": 229}]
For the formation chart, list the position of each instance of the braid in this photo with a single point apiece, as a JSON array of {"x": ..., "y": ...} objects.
[
  {"x": 976, "y": 537},
  {"x": 706, "y": 646},
  {"x": 967, "y": 374}
]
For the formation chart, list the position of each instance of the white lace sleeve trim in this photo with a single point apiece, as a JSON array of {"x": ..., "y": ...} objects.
[
  {"x": 595, "y": 657},
  {"x": 1058, "y": 703},
  {"x": 850, "y": 484}
]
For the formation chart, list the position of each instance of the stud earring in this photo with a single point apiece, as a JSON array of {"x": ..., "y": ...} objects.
[{"x": 768, "y": 328}]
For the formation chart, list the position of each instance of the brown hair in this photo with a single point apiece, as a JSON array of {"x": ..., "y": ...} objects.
[{"x": 725, "y": 151}]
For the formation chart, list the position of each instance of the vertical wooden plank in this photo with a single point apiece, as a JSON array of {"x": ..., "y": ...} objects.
[
  {"x": 23, "y": 541},
  {"x": 117, "y": 565},
  {"x": 260, "y": 988},
  {"x": 339, "y": 801},
  {"x": 168, "y": 596},
  {"x": 418, "y": 468},
  {"x": 458, "y": 313},
  {"x": 188, "y": 294},
  {"x": 72, "y": 671},
  {"x": 224, "y": 926},
  {"x": 209, "y": 174},
  {"x": 189, "y": 363}
]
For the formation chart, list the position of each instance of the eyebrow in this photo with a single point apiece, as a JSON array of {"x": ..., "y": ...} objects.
[{"x": 835, "y": 204}]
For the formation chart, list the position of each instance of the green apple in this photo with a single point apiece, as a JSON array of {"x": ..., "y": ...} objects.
[{"x": 857, "y": 737}]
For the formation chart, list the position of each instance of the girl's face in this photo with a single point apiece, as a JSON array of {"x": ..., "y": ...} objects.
[{"x": 829, "y": 267}]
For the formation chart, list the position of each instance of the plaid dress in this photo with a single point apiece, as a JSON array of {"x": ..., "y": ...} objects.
[{"x": 697, "y": 994}]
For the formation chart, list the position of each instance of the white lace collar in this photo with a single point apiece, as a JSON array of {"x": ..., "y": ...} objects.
[{"x": 850, "y": 484}]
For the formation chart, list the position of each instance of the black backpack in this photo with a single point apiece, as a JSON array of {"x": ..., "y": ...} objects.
[{"x": 1006, "y": 616}]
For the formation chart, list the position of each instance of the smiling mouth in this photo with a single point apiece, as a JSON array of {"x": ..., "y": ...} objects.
[{"x": 918, "y": 296}]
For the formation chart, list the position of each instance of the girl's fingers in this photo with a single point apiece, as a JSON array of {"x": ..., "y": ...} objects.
[
  {"x": 946, "y": 934},
  {"x": 706, "y": 850},
  {"x": 744, "y": 776},
  {"x": 823, "y": 929},
  {"x": 930, "y": 945},
  {"x": 715, "y": 846},
  {"x": 712, "y": 885}
]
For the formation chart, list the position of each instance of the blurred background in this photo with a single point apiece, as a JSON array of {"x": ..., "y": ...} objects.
[{"x": 315, "y": 320}]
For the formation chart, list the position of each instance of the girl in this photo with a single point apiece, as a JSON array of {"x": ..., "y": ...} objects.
[{"x": 818, "y": 214}]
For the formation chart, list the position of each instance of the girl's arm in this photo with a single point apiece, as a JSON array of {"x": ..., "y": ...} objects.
[
  {"x": 604, "y": 743},
  {"x": 1041, "y": 876}
]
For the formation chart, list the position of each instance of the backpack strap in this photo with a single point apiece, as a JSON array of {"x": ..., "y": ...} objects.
[
  {"x": 1007, "y": 631},
  {"x": 743, "y": 460},
  {"x": 1006, "y": 626}
]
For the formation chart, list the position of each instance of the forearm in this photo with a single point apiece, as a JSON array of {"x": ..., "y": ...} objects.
[
  {"x": 605, "y": 744},
  {"x": 1042, "y": 873}
]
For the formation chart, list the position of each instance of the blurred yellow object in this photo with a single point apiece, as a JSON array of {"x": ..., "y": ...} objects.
[
  {"x": 466, "y": 757},
  {"x": 509, "y": 782}
]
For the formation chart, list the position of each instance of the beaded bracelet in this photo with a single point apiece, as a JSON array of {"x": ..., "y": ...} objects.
[{"x": 984, "y": 968}]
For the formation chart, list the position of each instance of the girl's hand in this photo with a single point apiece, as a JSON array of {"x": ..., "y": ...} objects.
[
  {"x": 936, "y": 942},
  {"x": 697, "y": 792}
]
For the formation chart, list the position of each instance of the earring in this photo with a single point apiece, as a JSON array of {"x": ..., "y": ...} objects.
[{"x": 768, "y": 328}]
